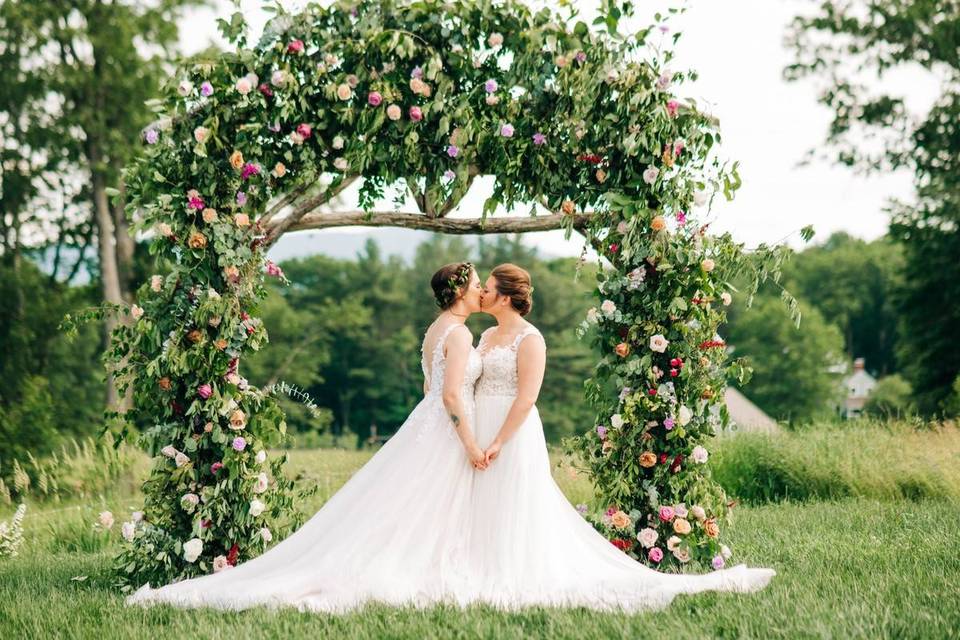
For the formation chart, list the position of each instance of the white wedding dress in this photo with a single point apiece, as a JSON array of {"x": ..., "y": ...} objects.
[
  {"x": 529, "y": 546},
  {"x": 395, "y": 532}
]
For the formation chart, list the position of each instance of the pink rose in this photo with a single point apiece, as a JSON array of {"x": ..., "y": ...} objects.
[
  {"x": 295, "y": 47},
  {"x": 666, "y": 514},
  {"x": 673, "y": 107},
  {"x": 655, "y": 554},
  {"x": 374, "y": 98},
  {"x": 304, "y": 130},
  {"x": 416, "y": 114},
  {"x": 216, "y": 466},
  {"x": 205, "y": 391}
]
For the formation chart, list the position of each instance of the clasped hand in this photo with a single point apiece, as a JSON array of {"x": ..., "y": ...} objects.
[{"x": 482, "y": 459}]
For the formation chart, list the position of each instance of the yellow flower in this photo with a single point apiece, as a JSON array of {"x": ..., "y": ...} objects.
[
  {"x": 236, "y": 160},
  {"x": 648, "y": 459},
  {"x": 681, "y": 526},
  {"x": 620, "y": 520},
  {"x": 658, "y": 223}
]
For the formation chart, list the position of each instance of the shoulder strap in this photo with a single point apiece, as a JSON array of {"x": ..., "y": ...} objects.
[
  {"x": 442, "y": 340},
  {"x": 486, "y": 334},
  {"x": 529, "y": 331}
]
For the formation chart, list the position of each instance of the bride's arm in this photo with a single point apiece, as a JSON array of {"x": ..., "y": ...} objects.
[
  {"x": 531, "y": 362},
  {"x": 458, "y": 348}
]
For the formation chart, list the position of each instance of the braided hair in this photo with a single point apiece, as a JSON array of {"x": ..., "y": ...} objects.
[{"x": 449, "y": 282}]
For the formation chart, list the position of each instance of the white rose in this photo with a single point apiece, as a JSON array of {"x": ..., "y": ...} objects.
[
  {"x": 647, "y": 537},
  {"x": 128, "y": 530},
  {"x": 200, "y": 134},
  {"x": 169, "y": 451},
  {"x": 341, "y": 164},
  {"x": 266, "y": 535},
  {"x": 650, "y": 175},
  {"x": 212, "y": 294},
  {"x": 256, "y": 507},
  {"x": 184, "y": 88},
  {"x": 156, "y": 283},
  {"x": 495, "y": 39},
  {"x": 181, "y": 459},
  {"x": 261, "y": 484},
  {"x": 278, "y": 78},
  {"x": 220, "y": 563},
  {"x": 699, "y": 198},
  {"x": 243, "y": 86},
  {"x": 683, "y": 415},
  {"x": 136, "y": 312},
  {"x": 616, "y": 421},
  {"x": 261, "y": 457},
  {"x": 726, "y": 298},
  {"x": 672, "y": 543},
  {"x": 192, "y": 549},
  {"x": 164, "y": 229},
  {"x": 592, "y": 315},
  {"x": 659, "y": 343},
  {"x": 338, "y": 142},
  {"x": 725, "y": 552},
  {"x": 189, "y": 502},
  {"x": 608, "y": 307},
  {"x": 697, "y": 512},
  {"x": 682, "y": 554},
  {"x": 106, "y": 519},
  {"x": 699, "y": 454}
]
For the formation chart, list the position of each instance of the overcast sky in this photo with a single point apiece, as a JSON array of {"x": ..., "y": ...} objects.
[{"x": 767, "y": 124}]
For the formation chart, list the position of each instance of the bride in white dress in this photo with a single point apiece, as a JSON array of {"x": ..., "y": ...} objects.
[
  {"x": 396, "y": 531},
  {"x": 529, "y": 546}
]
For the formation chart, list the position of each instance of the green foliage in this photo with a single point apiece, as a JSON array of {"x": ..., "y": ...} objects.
[
  {"x": 792, "y": 380},
  {"x": 891, "y": 398}
]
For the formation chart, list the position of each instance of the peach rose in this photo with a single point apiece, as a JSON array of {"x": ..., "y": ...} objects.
[
  {"x": 241, "y": 220},
  {"x": 164, "y": 229},
  {"x": 711, "y": 527},
  {"x": 237, "y": 420},
  {"x": 279, "y": 170},
  {"x": 622, "y": 349},
  {"x": 681, "y": 526},
  {"x": 708, "y": 265},
  {"x": 648, "y": 459},
  {"x": 231, "y": 272},
  {"x": 344, "y": 91},
  {"x": 209, "y": 215},
  {"x": 568, "y": 207},
  {"x": 620, "y": 520},
  {"x": 195, "y": 336},
  {"x": 394, "y": 112},
  {"x": 601, "y": 176},
  {"x": 658, "y": 223},
  {"x": 607, "y": 447},
  {"x": 236, "y": 160},
  {"x": 197, "y": 240},
  {"x": 221, "y": 344},
  {"x": 164, "y": 383}
]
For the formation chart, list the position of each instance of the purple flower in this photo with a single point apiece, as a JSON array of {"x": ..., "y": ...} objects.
[
  {"x": 273, "y": 269},
  {"x": 250, "y": 169},
  {"x": 216, "y": 466},
  {"x": 506, "y": 131},
  {"x": 374, "y": 98},
  {"x": 655, "y": 554},
  {"x": 490, "y": 85},
  {"x": 582, "y": 509},
  {"x": 449, "y": 174},
  {"x": 668, "y": 424},
  {"x": 239, "y": 443},
  {"x": 151, "y": 136},
  {"x": 205, "y": 391},
  {"x": 539, "y": 139},
  {"x": 581, "y": 56},
  {"x": 241, "y": 198},
  {"x": 601, "y": 431},
  {"x": 206, "y": 89},
  {"x": 453, "y": 151},
  {"x": 718, "y": 562},
  {"x": 416, "y": 73}
]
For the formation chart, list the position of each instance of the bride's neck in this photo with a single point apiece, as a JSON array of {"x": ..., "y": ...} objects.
[{"x": 508, "y": 321}]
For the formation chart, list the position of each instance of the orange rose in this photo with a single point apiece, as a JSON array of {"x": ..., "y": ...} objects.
[
  {"x": 279, "y": 170},
  {"x": 620, "y": 520},
  {"x": 710, "y": 526},
  {"x": 197, "y": 240},
  {"x": 658, "y": 223},
  {"x": 236, "y": 160},
  {"x": 207, "y": 428},
  {"x": 667, "y": 157},
  {"x": 164, "y": 383},
  {"x": 194, "y": 336},
  {"x": 231, "y": 272},
  {"x": 221, "y": 344},
  {"x": 623, "y": 349},
  {"x": 568, "y": 207},
  {"x": 648, "y": 459}
]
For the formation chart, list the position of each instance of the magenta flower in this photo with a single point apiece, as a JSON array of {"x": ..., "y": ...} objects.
[
  {"x": 239, "y": 443},
  {"x": 453, "y": 151},
  {"x": 672, "y": 108},
  {"x": 416, "y": 114},
  {"x": 241, "y": 198},
  {"x": 678, "y": 146},
  {"x": 717, "y": 562},
  {"x": 205, "y": 391},
  {"x": 274, "y": 270},
  {"x": 216, "y": 466},
  {"x": 539, "y": 139},
  {"x": 655, "y": 554},
  {"x": 490, "y": 86},
  {"x": 304, "y": 130},
  {"x": 668, "y": 424},
  {"x": 206, "y": 89},
  {"x": 374, "y": 98},
  {"x": 666, "y": 514},
  {"x": 296, "y": 46},
  {"x": 250, "y": 169},
  {"x": 196, "y": 202},
  {"x": 681, "y": 217},
  {"x": 151, "y": 136},
  {"x": 506, "y": 131}
]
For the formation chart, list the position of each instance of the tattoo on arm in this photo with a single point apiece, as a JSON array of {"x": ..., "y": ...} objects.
[{"x": 456, "y": 420}]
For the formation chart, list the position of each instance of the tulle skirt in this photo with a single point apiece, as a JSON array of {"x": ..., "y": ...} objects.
[
  {"x": 394, "y": 533},
  {"x": 530, "y": 547}
]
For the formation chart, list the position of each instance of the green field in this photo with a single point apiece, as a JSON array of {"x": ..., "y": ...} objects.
[{"x": 860, "y": 566}]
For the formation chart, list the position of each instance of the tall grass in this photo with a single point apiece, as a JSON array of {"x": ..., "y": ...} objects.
[{"x": 892, "y": 460}]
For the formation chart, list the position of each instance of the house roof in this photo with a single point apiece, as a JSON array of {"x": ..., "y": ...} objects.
[{"x": 746, "y": 415}]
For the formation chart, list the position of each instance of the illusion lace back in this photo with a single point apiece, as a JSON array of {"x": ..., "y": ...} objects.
[
  {"x": 528, "y": 545},
  {"x": 393, "y": 533}
]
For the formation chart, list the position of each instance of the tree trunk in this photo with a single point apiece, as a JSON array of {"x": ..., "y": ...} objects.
[
  {"x": 125, "y": 247},
  {"x": 107, "y": 246}
]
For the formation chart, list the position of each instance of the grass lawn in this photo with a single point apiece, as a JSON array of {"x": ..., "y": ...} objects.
[{"x": 847, "y": 568}]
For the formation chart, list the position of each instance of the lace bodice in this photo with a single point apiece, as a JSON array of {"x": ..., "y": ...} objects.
[
  {"x": 436, "y": 370},
  {"x": 500, "y": 376}
]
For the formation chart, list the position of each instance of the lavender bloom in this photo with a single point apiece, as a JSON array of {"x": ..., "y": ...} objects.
[
  {"x": 490, "y": 85},
  {"x": 539, "y": 139},
  {"x": 241, "y": 198},
  {"x": 239, "y": 443},
  {"x": 206, "y": 89},
  {"x": 151, "y": 136}
]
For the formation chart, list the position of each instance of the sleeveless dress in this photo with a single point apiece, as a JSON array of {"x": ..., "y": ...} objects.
[
  {"x": 394, "y": 533},
  {"x": 529, "y": 546}
]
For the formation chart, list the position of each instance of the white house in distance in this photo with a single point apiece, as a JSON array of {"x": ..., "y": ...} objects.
[{"x": 858, "y": 386}]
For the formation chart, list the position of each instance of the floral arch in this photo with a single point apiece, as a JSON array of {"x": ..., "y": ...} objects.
[{"x": 578, "y": 121}]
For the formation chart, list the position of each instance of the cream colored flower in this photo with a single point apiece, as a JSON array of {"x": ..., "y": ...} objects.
[
  {"x": 220, "y": 563},
  {"x": 241, "y": 220},
  {"x": 261, "y": 484},
  {"x": 620, "y": 520},
  {"x": 698, "y": 513},
  {"x": 684, "y": 415},
  {"x": 672, "y": 543},
  {"x": 394, "y": 112},
  {"x": 200, "y": 134},
  {"x": 236, "y": 159},
  {"x": 344, "y": 92},
  {"x": 726, "y": 298},
  {"x": 708, "y": 265},
  {"x": 106, "y": 519},
  {"x": 156, "y": 283},
  {"x": 209, "y": 215},
  {"x": 192, "y": 549},
  {"x": 682, "y": 554},
  {"x": 658, "y": 343},
  {"x": 256, "y": 507},
  {"x": 279, "y": 170},
  {"x": 648, "y": 537},
  {"x": 136, "y": 312},
  {"x": 164, "y": 230},
  {"x": 681, "y": 526},
  {"x": 238, "y": 420}
]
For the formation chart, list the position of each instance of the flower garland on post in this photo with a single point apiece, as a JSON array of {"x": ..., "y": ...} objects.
[{"x": 429, "y": 94}]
